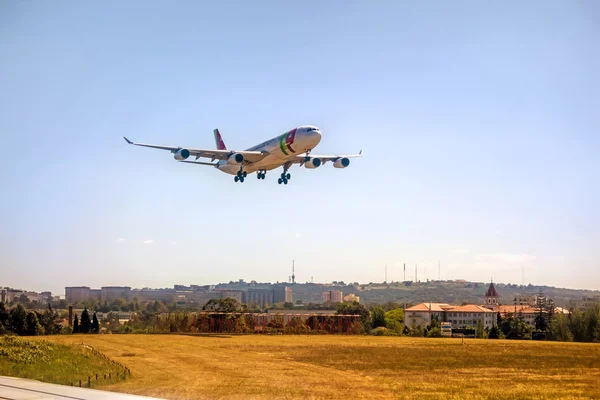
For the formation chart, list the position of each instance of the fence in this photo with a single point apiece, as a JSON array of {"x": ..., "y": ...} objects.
[{"x": 122, "y": 374}]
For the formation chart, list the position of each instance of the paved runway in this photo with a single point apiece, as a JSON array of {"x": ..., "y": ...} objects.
[{"x": 25, "y": 389}]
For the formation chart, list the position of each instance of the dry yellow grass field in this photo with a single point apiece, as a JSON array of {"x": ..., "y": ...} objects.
[{"x": 290, "y": 367}]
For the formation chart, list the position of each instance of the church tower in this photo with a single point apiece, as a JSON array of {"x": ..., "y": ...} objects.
[{"x": 491, "y": 297}]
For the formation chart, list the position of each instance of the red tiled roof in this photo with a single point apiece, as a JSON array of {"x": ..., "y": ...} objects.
[
  {"x": 508, "y": 309},
  {"x": 525, "y": 309},
  {"x": 469, "y": 308},
  {"x": 429, "y": 307}
]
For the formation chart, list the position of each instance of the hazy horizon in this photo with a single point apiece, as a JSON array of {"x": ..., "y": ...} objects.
[
  {"x": 61, "y": 290},
  {"x": 479, "y": 125}
]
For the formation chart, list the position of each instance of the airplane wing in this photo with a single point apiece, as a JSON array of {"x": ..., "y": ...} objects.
[
  {"x": 301, "y": 159},
  {"x": 213, "y": 154}
]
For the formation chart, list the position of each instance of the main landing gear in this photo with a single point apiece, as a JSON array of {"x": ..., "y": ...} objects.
[
  {"x": 240, "y": 176},
  {"x": 261, "y": 174},
  {"x": 285, "y": 177}
]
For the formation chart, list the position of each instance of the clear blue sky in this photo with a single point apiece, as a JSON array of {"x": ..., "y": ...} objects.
[{"x": 480, "y": 125}]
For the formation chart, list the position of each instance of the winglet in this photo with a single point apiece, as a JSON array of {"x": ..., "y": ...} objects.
[
  {"x": 359, "y": 153},
  {"x": 127, "y": 140}
]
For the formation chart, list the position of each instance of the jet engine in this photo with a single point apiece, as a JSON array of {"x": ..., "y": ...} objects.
[
  {"x": 341, "y": 162},
  {"x": 235, "y": 159},
  {"x": 313, "y": 163},
  {"x": 181, "y": 154}
]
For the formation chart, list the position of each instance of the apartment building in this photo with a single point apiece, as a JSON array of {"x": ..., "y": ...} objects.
[{"x": 333, "y": 296}]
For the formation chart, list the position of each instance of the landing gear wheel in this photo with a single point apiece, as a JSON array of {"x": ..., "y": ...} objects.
[
  {"x": 237, "y": 178},
  {"x": 285, "y": 181},
  {"x": 288, "y": 176},
  {"x": 279, "y": 181},
  {"x": 242, "y": 179},
  {"x": 244, "y": 174}
]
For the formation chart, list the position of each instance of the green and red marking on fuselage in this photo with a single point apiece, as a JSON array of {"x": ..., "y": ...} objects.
[{"x": 286, "y": 140}]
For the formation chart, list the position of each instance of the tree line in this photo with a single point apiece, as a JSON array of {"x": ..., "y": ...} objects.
[
  {"x": 85, "y": 325},
  {"x": 20, "y": 321},
  {"x": 577, "y": 326}
]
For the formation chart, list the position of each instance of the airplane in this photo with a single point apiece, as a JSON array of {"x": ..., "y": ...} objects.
[{"x": 292, "y": 147}]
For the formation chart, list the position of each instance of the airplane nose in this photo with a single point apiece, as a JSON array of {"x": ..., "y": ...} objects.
[{"x": 316, "y": 136}]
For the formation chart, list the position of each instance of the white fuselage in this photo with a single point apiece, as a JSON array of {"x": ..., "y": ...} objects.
[{"x": 281, "y": 149}]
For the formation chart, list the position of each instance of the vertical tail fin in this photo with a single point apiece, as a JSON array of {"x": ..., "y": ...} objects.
[{"x": 219, "y": 140}]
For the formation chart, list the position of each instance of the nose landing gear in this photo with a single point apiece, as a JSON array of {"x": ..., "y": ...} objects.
[{"x": 261, "y": 174}]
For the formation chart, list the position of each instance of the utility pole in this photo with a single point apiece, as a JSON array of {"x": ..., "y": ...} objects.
[
  {"x": 416, "y": 275},
  {"x": 404, "y": 272},
  {"x": 293, "y": 271}
]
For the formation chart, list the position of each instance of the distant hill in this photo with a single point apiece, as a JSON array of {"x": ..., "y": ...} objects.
[{"x": 452, "y": 292}]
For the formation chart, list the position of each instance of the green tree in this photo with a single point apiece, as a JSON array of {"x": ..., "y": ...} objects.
[
  {"x": 95, "y": 324},
  {"x": 434, "y": 332},
  {"x": 18, "y": 320},
  {"x": 86, "y": 323},
  {"x": 394, "y": 320},
  {"x": 592, "y": 323},
  {"x": 558, "y": 329},
  {"x": 397, "y": 314},
  {"x": 76, "y": 325},
  {"x": 417, "y": 331},
  {"x": 4, "y": 315},
  {"x": 494, "y": 333},
  {"x": 227, "y": 305},
  {"x": 23, "y": 299},
  {"x": 377, "y": 317},
  {"x": 390, "y": 305},
  {"x": 33, "y": 327},
  {"x": 480, "y": 330},
  {"x": 49, "y": 321},
  {"x": 541, "y": 318},
  {"x": 577, "y": 326},
  {"x": 117, "y": 305}
]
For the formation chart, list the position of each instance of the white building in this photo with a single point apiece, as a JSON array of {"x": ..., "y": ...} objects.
[
  {"x": 585, "y": 303},
  {"x": 458, "y": 316},
  {"x": 469, "y": 315},
  {"x": 423, "y": 313}
]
